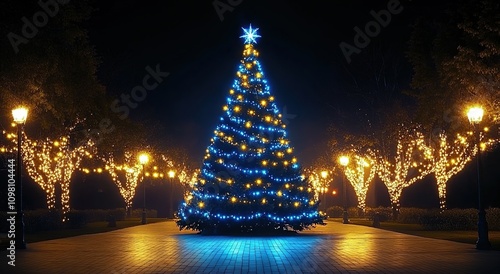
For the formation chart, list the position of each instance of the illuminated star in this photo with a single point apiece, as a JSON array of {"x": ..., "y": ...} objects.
[{"x": 250, "y": 35}]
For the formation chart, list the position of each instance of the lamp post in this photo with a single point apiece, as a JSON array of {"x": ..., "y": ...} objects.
[
  {"x": 143, "y": 160},
  {"x": 171, "y": 175},
  {"x": 344, "y": 161},
  {"x": 475, "y": 115},
  {"x": 20, "y": 115}
]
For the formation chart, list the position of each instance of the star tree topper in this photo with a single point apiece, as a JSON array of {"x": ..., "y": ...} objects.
[{"x": 250, "y": 35}]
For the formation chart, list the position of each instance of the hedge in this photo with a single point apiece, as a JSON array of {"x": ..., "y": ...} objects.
[
  {"x": 44, "y": 219},
  {"x": 429, "y": 219}
]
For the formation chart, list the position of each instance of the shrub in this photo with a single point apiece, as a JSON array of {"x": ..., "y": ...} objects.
[
  {"x": 452, "y": 219},
  {"x": 118, "y": 213},
  {"x": 411, "y": 215},
  {"x": 384, "y": 213},
  {"x": 42, "y": 219},
  {"x": 100, "y": 215},
  {"x": 354, "y": 212},
  {"x": 76, "y": 219},
  {"x": 338, "y": 211},
  {"x": 150, "y": 213},
  {"x": 335, "y": 212},
  {"x": 493, "y": 218}
]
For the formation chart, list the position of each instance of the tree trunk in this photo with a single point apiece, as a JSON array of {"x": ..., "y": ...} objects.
[{"x": 395, "y": 211}]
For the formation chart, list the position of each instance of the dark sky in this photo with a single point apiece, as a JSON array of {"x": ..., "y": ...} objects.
[
  {"x": 299, "y": 52},
  {"x": 301, "y": 58}
]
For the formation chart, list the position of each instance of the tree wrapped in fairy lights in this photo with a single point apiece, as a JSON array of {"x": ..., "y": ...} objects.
[
  {"x": 360, "y": 173},
  {"x": 411, "y": 163},
  {"x": 51, "y": 162},
  {"x": 126, "y": 176},
  {"x": 250, "y": 181}
]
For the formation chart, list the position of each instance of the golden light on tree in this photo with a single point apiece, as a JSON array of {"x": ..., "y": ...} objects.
[
  {"x": 318, "y": 180},
  {"x": 324, "y": 174},
  {"x": 188, "y": 178},
  {"x": 449, "y": 158},
  {"x": 51, "y": 162},
  {"x": 408, "y": 166},
  {"x": 126, "y": 175},
  {"x": 360, "y": 173}
]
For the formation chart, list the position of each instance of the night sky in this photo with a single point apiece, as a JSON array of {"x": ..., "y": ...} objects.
[
  {"x": 300, "y": 55},
  {"x": 299, "y": 52}
]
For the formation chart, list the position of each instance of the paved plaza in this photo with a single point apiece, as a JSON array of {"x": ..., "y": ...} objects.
[{"x": 334, "y": 248}]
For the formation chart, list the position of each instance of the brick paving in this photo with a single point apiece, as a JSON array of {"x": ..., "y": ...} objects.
[{"x": 334, "y": 248}]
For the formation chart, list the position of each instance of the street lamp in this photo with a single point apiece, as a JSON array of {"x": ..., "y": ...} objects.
[
  {"x": 171, "y": 175},
  {"x": 143, "y": 160},
  {"x": 475, "y": 115},
  {"x": 344, "y": 161},
  {"x": 20, "y": 115}
]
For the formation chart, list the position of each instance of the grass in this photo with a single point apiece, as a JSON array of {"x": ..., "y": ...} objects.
[
  {"x": 466, "y": 236},
  {"x": 90, "y": 228}
]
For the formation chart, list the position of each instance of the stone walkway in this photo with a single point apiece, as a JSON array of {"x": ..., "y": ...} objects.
[{"x": 334, "y": 248}]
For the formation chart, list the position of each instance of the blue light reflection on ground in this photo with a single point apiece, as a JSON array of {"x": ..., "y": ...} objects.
[{"x": 244, "y": 253}]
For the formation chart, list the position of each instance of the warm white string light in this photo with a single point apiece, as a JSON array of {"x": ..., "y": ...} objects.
[
  {"x": 188, "y": 179},
  {"x": 319, "y": 180},
  {"x": 408, "y": 167},
  {"x": 52, "y": 161},
  {"x": 127, "y": 175},
  {"x": 131, "y": 172},
  {"x": 449, "y": 158},
  {"x": 360, "y": 173}
]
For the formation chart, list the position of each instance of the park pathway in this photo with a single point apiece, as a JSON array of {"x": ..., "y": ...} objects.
[{"x": 334, "y": 248}]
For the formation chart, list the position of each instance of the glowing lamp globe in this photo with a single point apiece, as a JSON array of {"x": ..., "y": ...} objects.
[
  {"x": 324, "y": 174},
  {"x": 143, "y": 159},
  {"x": 20, "y": 115},
  {"x": 475, "y": 115},
  {"x": 171, "y": 174},
  {"x": 344, "y": 160}
]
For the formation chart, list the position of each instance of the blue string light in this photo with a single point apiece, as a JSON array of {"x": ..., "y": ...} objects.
[{"x": 249, "y": 173}]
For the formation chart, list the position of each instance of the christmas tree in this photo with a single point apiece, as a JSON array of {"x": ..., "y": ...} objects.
[{"x": 250, "y": 180}]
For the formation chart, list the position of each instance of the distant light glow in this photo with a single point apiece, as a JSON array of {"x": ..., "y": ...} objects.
[
  {"x": 171, "y": 174},
  {"x": 344, "y": 160},
  {"x": 475, "y": 115},
  {"x": 143, "y": 159},
  {"x": 20, "y": 114}
]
